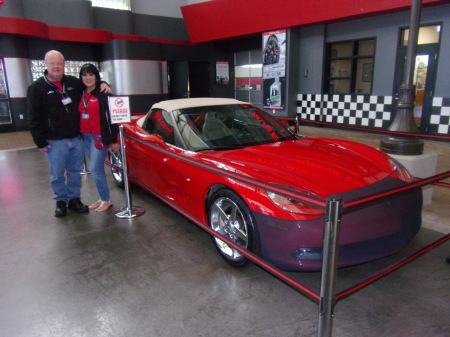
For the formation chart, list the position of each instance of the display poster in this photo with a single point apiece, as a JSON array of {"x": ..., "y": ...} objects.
[
  {"x": 119, "y": 109},
  {"x": 274, "y": 69},
  {"x": 222, "y": 72}
]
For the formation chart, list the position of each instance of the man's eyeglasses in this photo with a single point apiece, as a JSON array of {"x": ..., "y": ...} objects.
[{"x": 54, "y": 64}]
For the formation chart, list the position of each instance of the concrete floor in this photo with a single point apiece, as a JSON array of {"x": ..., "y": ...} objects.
[{"x": 95, "y": 275}]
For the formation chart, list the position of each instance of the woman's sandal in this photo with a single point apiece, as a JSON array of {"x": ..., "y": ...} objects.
[
  {"x": 104, "y": 206},
  {"x": 95, "y": 205}
]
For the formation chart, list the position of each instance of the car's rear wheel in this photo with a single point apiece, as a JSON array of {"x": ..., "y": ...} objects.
[
  {"x": 115, "y": 159},
  {"x": 229, "y": 216}
]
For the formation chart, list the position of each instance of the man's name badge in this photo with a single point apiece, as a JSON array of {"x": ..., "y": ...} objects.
[{"x": 66, "y": 101}]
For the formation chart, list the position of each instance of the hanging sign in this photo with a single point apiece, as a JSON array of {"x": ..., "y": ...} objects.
[
  {"x": 274, "y": 69},
  {"x": 119, "y": 109}
]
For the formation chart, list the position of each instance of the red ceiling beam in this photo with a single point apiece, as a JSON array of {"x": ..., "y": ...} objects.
[
  {"x": 222, "y": 19},
  {"x": 78, "y": 34},
  {"x": 25, "y": 27},
  {"x": 31, "y": 28}
]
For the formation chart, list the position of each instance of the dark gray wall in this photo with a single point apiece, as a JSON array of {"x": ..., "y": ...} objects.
[
  {"x": 115, "y": 21},
  {"x": 293, "y": 52},
  {"x": 311, "y": 44},
  {"x": 61, "y": 13},
  {"x": 442, "y": 13},
  {"x": 386, "y": 30},
  {"x": 159, "y": 27},
  {"x": 81, "y": 14},
  {"x": 74, "y": 51},
  {"x": 11, "y": 9}
]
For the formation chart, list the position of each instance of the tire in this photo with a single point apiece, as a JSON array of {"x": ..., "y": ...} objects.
[
  {"x": 115, "y": 158},
  {"x": 272, "y": 50},
  {"x": 229, "y": 216}
]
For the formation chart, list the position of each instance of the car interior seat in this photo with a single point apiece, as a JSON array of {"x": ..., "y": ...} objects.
[
  {"x": 189, "y": 135},
  {"x": 214, "y": 128}
]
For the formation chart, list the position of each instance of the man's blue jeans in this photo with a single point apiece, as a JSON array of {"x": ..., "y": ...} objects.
[
  {"x": 66, "y": 159},
  {"x": 96, "y": 165}
]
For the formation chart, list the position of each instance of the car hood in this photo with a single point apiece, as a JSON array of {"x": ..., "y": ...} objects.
[{"x": 314, "y": 165}]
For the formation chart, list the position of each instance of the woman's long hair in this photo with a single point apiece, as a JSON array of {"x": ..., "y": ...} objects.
[{"x": 89, "y": 68}]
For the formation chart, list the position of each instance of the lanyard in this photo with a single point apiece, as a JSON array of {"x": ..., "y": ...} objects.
[
  {"x": 86, "y": 102},
  {"x": 63, "y": 93}
]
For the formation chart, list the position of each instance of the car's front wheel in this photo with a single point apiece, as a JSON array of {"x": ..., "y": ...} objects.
[
  {"x": 115, "y": 159},
  {"x": 229, "y": 216}
]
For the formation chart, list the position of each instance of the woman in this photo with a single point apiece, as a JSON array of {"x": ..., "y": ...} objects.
[{"x": 98, "y": 133}]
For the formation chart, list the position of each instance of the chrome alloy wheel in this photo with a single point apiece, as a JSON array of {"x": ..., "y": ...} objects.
[
  {"x": 227, "y": 219},
  {"x": 115, "y": 158}
]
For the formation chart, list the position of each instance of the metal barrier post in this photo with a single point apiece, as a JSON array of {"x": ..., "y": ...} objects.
[
  {"x": 128, "y": 211},
  {"x": 85, "y": 170},
  {"x": 329, "y": 267}
]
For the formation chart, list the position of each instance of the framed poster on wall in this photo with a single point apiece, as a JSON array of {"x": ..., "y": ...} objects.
[
  {"x": 222, "y": 72},
  {"x": 274, "y": 69}
]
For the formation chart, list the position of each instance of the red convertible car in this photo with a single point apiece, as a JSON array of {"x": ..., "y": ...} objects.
[{"x": 250, "y": 178}]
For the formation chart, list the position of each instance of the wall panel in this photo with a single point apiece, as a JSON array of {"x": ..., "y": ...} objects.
[
  {"x": 75, "y": 14},
  {"x": 19, "y": 76}
]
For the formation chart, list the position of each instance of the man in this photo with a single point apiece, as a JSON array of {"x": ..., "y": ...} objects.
[{"x": 55, "y": 127}]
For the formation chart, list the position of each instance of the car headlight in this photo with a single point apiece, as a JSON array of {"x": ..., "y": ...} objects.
[
  {"x": 401, "y": 171},
  {"x": 293, "y": 206}
]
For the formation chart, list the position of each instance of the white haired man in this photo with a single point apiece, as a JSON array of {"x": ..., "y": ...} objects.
[{"x": 55, "y": 127}]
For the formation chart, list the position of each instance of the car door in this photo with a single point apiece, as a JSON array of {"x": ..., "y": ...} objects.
[{"x": 158, "y": 166}]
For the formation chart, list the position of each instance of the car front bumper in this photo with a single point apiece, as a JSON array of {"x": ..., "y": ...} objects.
[{"x": 367, "y": 233}]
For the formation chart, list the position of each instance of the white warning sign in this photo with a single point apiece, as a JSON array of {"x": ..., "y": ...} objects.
[{"x": 119, "y": 109}]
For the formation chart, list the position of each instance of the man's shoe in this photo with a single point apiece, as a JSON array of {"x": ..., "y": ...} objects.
[
  {"x": 77, "y": 206},
  {"x": 61, "y": 208},
  {"x": 447, "y": 260}
]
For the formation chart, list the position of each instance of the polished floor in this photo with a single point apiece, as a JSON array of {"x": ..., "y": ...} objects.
[{"x": 95, "y": 275}]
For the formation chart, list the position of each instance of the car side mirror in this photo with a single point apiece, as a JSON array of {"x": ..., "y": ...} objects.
[{"x": 155, "y": 139}]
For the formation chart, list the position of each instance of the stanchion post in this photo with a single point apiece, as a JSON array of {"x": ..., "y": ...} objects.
[
  {"x": 329, "y": 266},
  {"x": 85, "y": 169},
  {"x": 128, "y": 211}
]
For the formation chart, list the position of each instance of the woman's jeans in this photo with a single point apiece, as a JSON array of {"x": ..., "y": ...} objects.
[
  {"x": 66, "y": 159},
  {"x": 96, "y": 165}
]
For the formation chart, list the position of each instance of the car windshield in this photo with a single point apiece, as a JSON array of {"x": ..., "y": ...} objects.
[{"x": 225, "y": 127}]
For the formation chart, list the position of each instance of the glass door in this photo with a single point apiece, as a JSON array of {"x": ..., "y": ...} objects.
[
  {"x": 424, "y": 78},
  {"x": 424, "y": 72},
  {"x": 420, "y": 81}
]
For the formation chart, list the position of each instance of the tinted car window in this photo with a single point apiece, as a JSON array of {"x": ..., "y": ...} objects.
[
  {"x": 228, "y": 126},
  {"x": 159, "y": 122}
]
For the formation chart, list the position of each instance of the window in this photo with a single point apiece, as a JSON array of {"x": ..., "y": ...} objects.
[
  {"x": 427, "y": 35},
  {"x": 113, "y": 4},
  {"x": 159, "y": 123},
  {"x": 248, "y": 76},
  {"x": 248, "y": 70},
  {"x": 350, "y": 66}
]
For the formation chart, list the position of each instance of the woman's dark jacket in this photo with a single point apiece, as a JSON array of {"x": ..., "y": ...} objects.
[{"x": 109, "y": 131}]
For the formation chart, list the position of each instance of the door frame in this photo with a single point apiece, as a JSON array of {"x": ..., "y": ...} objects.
[{"x": 432, "y": 50}]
